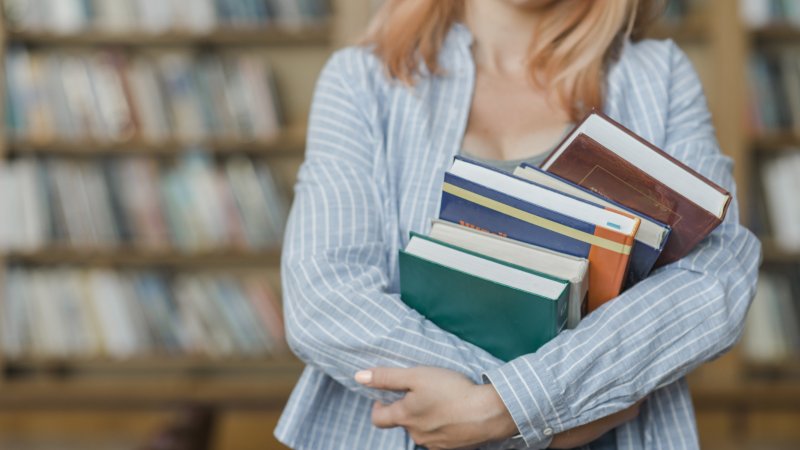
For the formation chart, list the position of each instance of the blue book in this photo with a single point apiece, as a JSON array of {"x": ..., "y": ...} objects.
[
  {"x": 650, "y": 239},
  {"x": 488, "y": 199}
]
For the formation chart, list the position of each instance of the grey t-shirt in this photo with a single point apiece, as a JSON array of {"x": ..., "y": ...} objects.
[{"x": 508, "y": 165}]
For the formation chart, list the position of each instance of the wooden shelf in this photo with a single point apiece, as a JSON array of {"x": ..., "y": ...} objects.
[
  {"x": 692, "y": 29},
  {"x": 775, "y": 141},
  {"x": 780, "y": 370},
  {"x": 268, "y": 387},
  {"x": 778, "y": 32},
  {"x": 137, "y": 257},
  {"x": 768, "y": 395},
  {"x": 774, "y": 254},
  {"x": 289, "y": 142},
  {"x": 187, "y": 365},
  {"x": 312, "y": 34}
]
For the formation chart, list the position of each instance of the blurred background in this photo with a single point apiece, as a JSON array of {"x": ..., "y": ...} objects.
[{"x": 148, "y": 153}]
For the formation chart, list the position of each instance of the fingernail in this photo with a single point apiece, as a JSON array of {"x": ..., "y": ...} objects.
[{"x": 364, "y": 376}]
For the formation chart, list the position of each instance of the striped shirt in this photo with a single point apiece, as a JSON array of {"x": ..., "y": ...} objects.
[{"x": 376, "y": 154}]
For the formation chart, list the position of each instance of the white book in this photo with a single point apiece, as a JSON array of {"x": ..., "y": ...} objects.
[
  {"x": 252, "y": 203},
  {"x": 201, "y": 17},
  {"x": 213, "y": 339},
  {"x": 33, "y": 219},
  {"x": 148, "y": 101},
  {"x": 106, "y": 297},
  {"x": 114, "y": 109},
  {"x": 47, "y": 322},
  {"x": 206, "y": 204},
  {"x": 780, "y": 178},
  {"x": 82, "y": 323},
  {"x": 14, "y": 316},
  {"x": 101, "y": 215},
  {"x": 755, "y": 13},
  {"x": 289, "y": 13},
  {"x": 763, "y": 337},
  {"x": 186, "y": 109},
  {"x": 66, "y": 16},
  {"x": 114, "y": 15},
  {"x": 155, "y": 16},
  {"x": 256, "y": 78},
  {"x": 77, "y": 86},
  {"x": 548, "y": 262},
  {"x": 9, "y": 204}
]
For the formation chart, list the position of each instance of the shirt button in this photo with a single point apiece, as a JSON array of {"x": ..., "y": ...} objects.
[{"x": 548, "y": 431}]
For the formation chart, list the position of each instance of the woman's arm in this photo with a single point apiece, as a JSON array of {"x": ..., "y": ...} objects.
[
  {"x": 683, "y": 315},
  {"x": 335, "y": 270}
]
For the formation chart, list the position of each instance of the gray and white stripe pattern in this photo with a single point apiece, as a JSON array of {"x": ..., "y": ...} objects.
[{"x": 375, "y": 159}]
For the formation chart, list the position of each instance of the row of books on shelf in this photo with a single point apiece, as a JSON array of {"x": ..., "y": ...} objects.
[
  {"x": 772, "y": 331},
  {"x": 775, "y": 90},
  {"x": 761, "y": 13},
  {"x": 107, "y": 96},
  {"x": 104, "y": 314},
  {"x": 778, "y": 215},
  {"x": 189, "y": 205},
  {"x": 513, "y": 259},
  {"x": 159, "y": 16}
]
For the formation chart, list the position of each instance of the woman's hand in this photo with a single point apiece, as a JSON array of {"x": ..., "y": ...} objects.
[{"x": 442, "y": 409}]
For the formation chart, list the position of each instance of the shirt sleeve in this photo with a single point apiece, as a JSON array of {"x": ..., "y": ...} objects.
[
  {"x": 339, "y": 316},
  {"x": 683, "y": 315}
]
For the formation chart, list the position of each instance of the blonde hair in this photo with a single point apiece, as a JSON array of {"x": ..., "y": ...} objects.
[{"x": 570, "y": 52}]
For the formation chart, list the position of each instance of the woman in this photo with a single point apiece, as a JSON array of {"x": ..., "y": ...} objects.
[{"x": 499, "y": 80}]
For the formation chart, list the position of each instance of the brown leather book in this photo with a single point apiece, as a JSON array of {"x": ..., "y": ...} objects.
[{"x": 604, "y": 156}]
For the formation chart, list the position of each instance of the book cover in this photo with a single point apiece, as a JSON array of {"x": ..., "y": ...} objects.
[
  {"x": 503, "y": 320},
  {"x": 585, "y": 161}
]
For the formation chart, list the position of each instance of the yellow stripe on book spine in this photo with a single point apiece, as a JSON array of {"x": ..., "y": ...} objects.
[{"x": 536, "y": 220}]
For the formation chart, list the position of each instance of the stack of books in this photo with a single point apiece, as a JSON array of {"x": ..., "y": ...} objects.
[
  {"x": 102, "y": 313},
  {"x": 158, "y": 16},
  {"x": 191, "y": 205},
  {"x": 513, "y": 259}
]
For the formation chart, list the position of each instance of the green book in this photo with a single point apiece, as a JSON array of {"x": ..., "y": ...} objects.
[{"x": 507, "y": 310}]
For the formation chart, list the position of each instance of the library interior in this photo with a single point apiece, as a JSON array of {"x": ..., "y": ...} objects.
[{"x": 149, "y": 152}]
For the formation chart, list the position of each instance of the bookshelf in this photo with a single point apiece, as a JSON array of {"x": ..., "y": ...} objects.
[
  {"x": 156, "y": 382},
  {"x": 741, "y": 403},
  {"x": 725, "y": 391}
]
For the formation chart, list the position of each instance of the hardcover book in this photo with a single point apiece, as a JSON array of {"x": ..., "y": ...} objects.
[
  {"x": 603, "y": 156},
  {"x": 507, "y": 310}
]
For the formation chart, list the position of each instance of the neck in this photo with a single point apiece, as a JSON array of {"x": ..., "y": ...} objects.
[{"x": 502, "y": 33}]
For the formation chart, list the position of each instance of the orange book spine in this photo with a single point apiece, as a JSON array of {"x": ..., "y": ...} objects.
[{"x": 608, "y": 268}]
